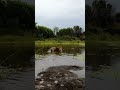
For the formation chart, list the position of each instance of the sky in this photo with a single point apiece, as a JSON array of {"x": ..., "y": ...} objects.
[{"x": 60, "y": 13}]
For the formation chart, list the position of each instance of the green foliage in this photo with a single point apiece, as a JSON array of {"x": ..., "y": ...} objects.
[
  {"x": 69, "y": 34},
  {"x": 102, "y": 37},
  {"x": 59, "y": 43},
  {"x": 65, "y": 31},
  {"x": 65, "y": 38},
  {"x": 102, "y": 23},
  {"x": 77, "y": 31},
  {"x": 16, "y": 14},
  {"x": 43, "y": 32},
  {"x": 99, "y": 14}
]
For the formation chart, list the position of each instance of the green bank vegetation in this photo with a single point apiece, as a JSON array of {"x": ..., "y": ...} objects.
[
  {"x": 59, "y": 43},
  {"x": 43, "y": 33},
  {"x": 16, "y": 36},
  {"x": 45, "y": 36},
  {"x": 102, "y": 21}
]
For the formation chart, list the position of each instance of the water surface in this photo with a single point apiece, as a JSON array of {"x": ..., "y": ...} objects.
[
  {"x": 102, "y": 67},
  {"x": 71, "y": 55},
  {"x": 16, "y": 66}
]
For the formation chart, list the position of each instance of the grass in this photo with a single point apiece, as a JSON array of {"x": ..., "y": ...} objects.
[
  {"x": 103, "y": 37},
  {"x": 112, "y": 43},
  {"x": 53, "y": 42},
  {"x": 107, "y": 42},
  {"x": 26, "y": 40},
  {"x": 27, "y": 36}
]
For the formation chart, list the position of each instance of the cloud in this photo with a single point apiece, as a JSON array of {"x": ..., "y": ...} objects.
[{"x": 60, "y": 12}]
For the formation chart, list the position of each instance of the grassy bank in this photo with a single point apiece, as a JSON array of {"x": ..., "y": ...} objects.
[
  {"x": 112, "y": 43},
  {"x": 53, "y": 42},
  {"x": 106, "y": 42}
]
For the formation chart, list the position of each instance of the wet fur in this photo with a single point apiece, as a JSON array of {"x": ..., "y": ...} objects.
[{"x": 55, "y": 49}]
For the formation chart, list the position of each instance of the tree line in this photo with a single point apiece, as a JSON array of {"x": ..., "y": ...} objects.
[
  {"x": 101, "y": 17},
  {"x": 42, "y": 32},
  {"x": 16, "y": 14}
]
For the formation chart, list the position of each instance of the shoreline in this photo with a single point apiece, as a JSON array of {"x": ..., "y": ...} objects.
[{"x": 50, "y": 42}]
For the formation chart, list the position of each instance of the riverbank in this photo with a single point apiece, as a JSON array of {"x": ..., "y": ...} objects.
[
  {"x": 112, "y": 43},
  {"x": 59, "y": 78},
  {"x": 60, "y": 71},
  {"x": 106, "y": 42},
  {"x": 53, "y": 42}
]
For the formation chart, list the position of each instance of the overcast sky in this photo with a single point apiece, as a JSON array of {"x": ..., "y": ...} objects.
[{"x": 60, "y": 13}]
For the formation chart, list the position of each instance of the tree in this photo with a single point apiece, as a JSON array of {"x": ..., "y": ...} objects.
[
  {"x": 44, "y": 32},
  {"x": 117, "y": 17},
  {"x": 88, "y": 14},
  {"x": 66, "y": 32},
  {"x": 55, "y": 30},
  {"x": 102, "y": 13},
  {"x": 77, "y": 31},
  {"x": 16, "y": 14}
]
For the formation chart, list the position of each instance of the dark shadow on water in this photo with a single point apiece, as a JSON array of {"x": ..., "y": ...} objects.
[
  {"x": 17, "y": 66},
  {"x": 15, "y": 55},
  {"x": 100, "y": 54},
  {"x": 102, "y": 66}
]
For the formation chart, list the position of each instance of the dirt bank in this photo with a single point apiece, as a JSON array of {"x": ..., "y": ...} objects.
[{"x": 59, "y": 78}]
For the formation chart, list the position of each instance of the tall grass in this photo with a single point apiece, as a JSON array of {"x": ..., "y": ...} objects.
[{"x": 58, "y": 43}]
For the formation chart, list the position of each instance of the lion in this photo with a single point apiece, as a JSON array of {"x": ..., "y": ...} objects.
[{"x": 55, "y": 49}]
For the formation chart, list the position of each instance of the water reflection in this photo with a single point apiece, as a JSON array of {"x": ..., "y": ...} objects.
[
  {"x": 102, "y": 67},
  {"x": 16, "y": 55},
  {"x": 16, "y": 66}
]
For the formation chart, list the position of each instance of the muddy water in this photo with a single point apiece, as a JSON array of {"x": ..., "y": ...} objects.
[
  {"x": 55, "y": 71},
  {"x": 44, "y": 61}
]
